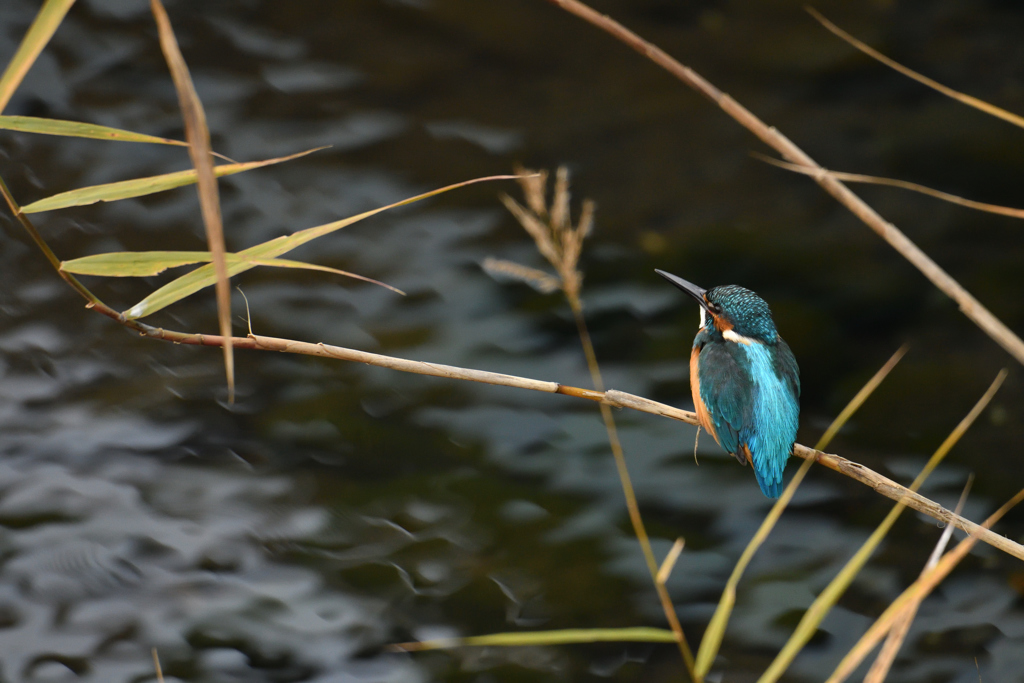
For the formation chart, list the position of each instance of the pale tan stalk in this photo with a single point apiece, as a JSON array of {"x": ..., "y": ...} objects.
[
  {"x": 970, "y": 306},
  {"x": 562, "y": 245}
]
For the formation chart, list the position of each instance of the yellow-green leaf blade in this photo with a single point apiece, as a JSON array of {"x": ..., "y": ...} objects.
[
  {"x": 148, "y": 263},
  {"x": 201, "y": 277},
  {"x": 133, "y": 263},
  {"x": 139, "y": 187},
  {"x": 285, "y": 263},
  {"x": 76, "y": 129},
  {"x": 38, "y": 35},
  {"x": 828, "y": 597},
  {"x": 641, "y": 634},
  {"x": 915, "y": 593},
  {"x": 110, "y": 192}
]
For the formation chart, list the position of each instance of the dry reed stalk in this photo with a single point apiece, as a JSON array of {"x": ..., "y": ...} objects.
[
  {"x": 157, "y": 668},
  {"x": 616, "y": 399},
  {"x": 561, "y": 244},
  {"x": 830, "y": 595},
  {"x": 963, "y": 98},
  {"x": 901, "y": 184},
  {"x": 970, "y": 306},
  {"x": 197, "y": 134},
  {"x": 880, "y": 668},
  {"x": 915, "y": 593},
  {"x": 715, "y": 631}
]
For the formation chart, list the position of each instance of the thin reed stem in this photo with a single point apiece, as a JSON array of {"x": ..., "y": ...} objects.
[
  {"x": 970, "y": 306},
  {"x": 561, "y": 244},
  {"x": 629, "y": 494},
  {"x": 617, "y": 399}
]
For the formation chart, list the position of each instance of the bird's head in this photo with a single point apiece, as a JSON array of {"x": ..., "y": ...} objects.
[{"x": 736, "y": 312}]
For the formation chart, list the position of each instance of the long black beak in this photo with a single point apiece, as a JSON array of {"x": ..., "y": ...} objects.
[{"x": 693, "y": 290}]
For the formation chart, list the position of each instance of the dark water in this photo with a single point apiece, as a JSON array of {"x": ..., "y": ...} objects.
[{"x": 338, "y": 508}]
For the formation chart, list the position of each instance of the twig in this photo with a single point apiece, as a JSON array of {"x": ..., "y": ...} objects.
[
  {"x": 617, "y": 399},
  {"x": 880, "y": 669},
  {"x": 915, "y": 592},
  {"x": 880, "y": 484},
  {"x": 970, "y": 306},
  {"x": 981, "y": 105},
  {"x": 669, "y": 563},
  {"x": 893, "y": 182},
  {"x": 156, "y": 666}
]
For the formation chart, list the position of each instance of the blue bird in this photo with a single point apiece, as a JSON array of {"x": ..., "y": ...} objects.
[{"x": 744, "y": 380}]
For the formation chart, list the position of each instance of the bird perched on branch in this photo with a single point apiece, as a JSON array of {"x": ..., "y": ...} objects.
[{"x": 744, "y": 379}]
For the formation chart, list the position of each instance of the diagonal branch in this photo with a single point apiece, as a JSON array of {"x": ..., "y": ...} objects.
[
  {"x": 970, "y": 306},
  {"x": 882, "y": 485},
  {"x": 618, "y": 399}
]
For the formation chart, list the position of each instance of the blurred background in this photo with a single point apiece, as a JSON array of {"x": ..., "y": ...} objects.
[{"x": 337, "y": 508}]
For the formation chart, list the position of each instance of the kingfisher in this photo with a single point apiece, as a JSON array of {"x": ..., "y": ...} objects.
[{"x": 744, "y": 380}]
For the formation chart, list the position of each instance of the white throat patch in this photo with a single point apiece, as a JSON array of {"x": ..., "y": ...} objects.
[
  {"x": 731, "y": 335},
  {"x": 703, "y": 317}
]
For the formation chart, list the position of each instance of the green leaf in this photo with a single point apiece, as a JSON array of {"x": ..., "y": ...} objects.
[
  {"x": 38, "y": 35},
  {"x": 75, "y": 129},
  {"x": 147, "y": 263},
  {"x": 133, "y": 263},
  {"x": 204, "y": 276},
  {"x": 640, "y": 634},
  {"x": 140, "y": 187}
]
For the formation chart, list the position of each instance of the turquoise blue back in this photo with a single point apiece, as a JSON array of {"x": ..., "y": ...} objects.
[{"x": 751, "y": 393}]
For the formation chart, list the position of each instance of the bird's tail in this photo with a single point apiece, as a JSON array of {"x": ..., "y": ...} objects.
[{"x": 771, "y": 488}]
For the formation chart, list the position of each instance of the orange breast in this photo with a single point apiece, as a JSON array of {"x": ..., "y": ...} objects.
[{"x": 698, "y": 403}]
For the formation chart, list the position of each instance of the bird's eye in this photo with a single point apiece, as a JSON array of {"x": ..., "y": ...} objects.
[{"x": 714, "y": 308}]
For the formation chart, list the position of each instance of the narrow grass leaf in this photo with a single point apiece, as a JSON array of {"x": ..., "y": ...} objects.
[
  {"x": 147, "y": 263},
  {"x": 140, "y": 187},
  {"x": 990, "y": 109},
  {"x": 715, "y": 632},
  {"x": 300, "y": 265},
  {"x": 669, "y": 563},
  {"x": 156, "y": 667},
  {"x": 892, "y": 182},
  {"x": 197, "y": 133},
  {"x": 38, "y": 35},
  {"x": 917, "y": 591},
  {"x": 133, "y": 263},
  {"x": 821, "y": 606},
  {"x": 204, "y": 276},
  {"x": 898, "y": 633},
  {"x": 565, "y": 637},
  {"x": 76, "y": 129},
  {"x": 552, "y": 232}
]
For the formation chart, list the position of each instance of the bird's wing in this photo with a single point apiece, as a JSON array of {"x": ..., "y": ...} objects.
[
  {"x": 786, "y": 367},
  {"x": 726, "y": 390}
]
